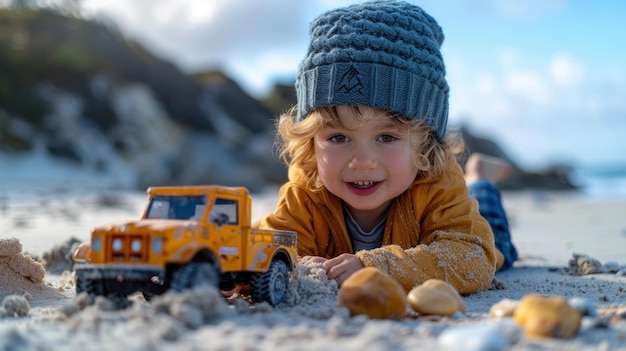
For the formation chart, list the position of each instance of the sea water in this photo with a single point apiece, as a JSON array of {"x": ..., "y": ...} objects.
[{"x": 601, "y": 182}]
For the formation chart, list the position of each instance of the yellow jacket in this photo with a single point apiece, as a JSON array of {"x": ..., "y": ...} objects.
[{"x": 433, "y": 230}]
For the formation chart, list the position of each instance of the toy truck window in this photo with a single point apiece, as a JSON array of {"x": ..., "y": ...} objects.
[
  {"x": 224, "y": 211},
  {"x": 177, "y": 207}
]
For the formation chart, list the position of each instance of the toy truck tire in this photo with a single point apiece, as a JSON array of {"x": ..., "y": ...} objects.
[
  {"x": 195, "y": 274},
  {"x": 272, "y": 285},
  {"x": 94, "y": 287}
]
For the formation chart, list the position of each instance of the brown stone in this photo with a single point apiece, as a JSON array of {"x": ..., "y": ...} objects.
[
  {"x": 547, "y": 317},
  {"x": 373, "y": 293},
  {"x": 435, "y": 297}
]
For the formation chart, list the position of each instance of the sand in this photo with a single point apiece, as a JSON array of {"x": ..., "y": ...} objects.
[{"x": 570, "y": 246}]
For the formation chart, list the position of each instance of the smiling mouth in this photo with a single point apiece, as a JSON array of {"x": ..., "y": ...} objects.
[{"x": 364, "y": 185}]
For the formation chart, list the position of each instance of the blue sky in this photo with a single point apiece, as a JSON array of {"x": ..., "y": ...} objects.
[{"x": 545, "y": 78}]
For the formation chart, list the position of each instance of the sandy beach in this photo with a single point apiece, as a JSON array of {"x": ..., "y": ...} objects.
[{"x": 41, "y": 311}]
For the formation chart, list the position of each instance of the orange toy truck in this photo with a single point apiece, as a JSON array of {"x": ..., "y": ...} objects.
[{"x": 188, "y": 236}]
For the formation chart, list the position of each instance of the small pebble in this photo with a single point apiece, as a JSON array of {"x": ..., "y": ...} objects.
[
  {"x": 581, "y": 264},
  {"x": 547, "y": 316},
  {"x": 435, "y": 297},
  {"x": 487, "y": 336},
  {"x": 15, "y": 306},
  {"x": 584, "y": 306},
  {"x": 503, "y": 309},
  {"x": 371, "y": 292},
  {"x": 612, "y": 266}
]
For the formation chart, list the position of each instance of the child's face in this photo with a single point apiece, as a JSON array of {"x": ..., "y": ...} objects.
[{"x": 365, "y": 161}]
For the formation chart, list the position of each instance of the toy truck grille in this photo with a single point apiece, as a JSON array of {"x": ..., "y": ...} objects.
[{"x": 128, "y": 248}]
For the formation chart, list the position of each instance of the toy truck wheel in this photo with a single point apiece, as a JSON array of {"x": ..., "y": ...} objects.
[
  {"x": 272, "y": 285},
  {"x": 195, "y": 274},
  {"x": 93, "y": 287}
]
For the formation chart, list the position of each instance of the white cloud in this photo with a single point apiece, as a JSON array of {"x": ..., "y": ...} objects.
[
  {"x": 528, "y": 85},
  {"x": 187, "y": 12},
  {"x": 543, "y": 110},
  {"x": 565, "y": 71},
  {"x": 200, "y": 33}
]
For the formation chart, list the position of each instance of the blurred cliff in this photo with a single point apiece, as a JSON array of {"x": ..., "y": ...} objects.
[{"x": 79, "y": 91}]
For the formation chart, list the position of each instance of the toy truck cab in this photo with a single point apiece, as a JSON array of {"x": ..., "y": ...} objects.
[{"x": 188, "y": 236}]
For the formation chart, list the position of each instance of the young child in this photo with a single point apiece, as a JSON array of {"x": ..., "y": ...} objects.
[{"x": 373, "y": 180}]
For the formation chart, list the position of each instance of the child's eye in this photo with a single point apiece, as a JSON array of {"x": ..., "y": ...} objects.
[
  {"x": 386, "y": 138},
  {"x": 338, "y": 138}
]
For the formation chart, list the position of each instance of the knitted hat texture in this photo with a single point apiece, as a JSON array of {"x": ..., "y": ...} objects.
[{"x": 382, "y": 54}]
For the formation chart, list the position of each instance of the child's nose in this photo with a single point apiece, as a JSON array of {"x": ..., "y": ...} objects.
[{"x": 362, "y": 159}]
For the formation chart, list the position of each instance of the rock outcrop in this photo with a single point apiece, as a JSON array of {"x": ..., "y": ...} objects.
[{"x": 83, "y": 93}]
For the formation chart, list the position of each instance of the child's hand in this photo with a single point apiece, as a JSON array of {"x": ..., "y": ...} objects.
[{"x": 341, "y": 267}]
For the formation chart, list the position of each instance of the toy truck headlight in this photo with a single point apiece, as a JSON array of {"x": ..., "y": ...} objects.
[
  {"x": 117, "y": 244},
  {"x": 96, "y": 245},
  {"x": 157, "y": 245},
  {"x": 135, "y": 245}
]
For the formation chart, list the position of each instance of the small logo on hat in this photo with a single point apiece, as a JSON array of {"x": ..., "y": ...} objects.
[{"x": 351, "y": 81}]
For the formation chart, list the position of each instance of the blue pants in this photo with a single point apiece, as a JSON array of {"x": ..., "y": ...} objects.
[{"x": 490, "y": 207}]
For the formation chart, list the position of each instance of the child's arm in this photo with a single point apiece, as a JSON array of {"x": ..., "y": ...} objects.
[{"x": 456, "y": 243}]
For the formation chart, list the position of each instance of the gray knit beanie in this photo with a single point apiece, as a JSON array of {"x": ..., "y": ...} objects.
[{"x": 382, "y": 54}]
